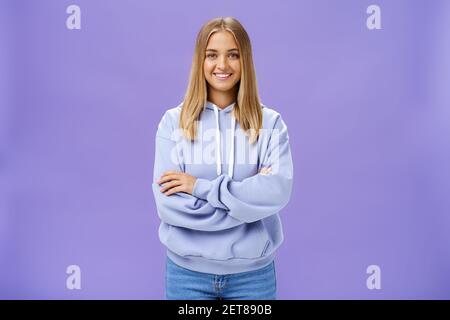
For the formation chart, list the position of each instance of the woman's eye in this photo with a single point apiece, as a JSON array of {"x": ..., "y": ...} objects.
[{"x": 214, "y": 56}]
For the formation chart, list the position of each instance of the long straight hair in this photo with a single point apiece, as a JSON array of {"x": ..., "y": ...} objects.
[{"x": 247, "y": 109}]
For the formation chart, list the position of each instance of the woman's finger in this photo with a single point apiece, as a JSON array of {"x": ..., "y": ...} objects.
[
  {"x": 167, "y": 178},
  {"x": 173, "y": 190},
  {"x": 170, "y": 185},
  {"x": 266, "y": 170}
]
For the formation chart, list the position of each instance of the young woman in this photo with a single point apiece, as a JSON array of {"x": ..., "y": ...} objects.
[{"x": 223, "y": 171}]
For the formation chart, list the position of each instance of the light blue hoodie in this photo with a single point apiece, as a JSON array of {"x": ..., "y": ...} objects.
[{"x": 230, "y": 223}]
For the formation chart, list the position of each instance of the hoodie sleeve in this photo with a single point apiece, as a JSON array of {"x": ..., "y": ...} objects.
[
  {"x": 258, "y": 196},
  {"x": 182, "y": 209}
]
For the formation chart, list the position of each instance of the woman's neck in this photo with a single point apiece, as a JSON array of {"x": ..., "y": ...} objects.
[{"x": 222, "y": 99}]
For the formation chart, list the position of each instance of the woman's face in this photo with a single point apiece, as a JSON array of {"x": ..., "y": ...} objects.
[{"x": 222, "y": 66}]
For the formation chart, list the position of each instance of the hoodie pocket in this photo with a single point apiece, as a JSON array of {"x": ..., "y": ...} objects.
[{"x": 246, "y": 241}]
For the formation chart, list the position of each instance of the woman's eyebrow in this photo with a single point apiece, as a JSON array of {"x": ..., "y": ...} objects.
[{"x": 214, "y": 50}]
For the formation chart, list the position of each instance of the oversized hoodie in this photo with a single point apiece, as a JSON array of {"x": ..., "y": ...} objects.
[{"x": 231, "y": 222}]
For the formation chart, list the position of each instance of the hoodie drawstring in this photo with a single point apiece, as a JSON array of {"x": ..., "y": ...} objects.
[{"x": 218, "y": 155}]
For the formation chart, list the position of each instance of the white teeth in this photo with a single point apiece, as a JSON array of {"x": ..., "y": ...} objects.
[{"x": 222, "y": 75}]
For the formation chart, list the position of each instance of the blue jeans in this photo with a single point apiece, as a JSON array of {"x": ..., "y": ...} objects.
[{"x": 184, "y": 284}]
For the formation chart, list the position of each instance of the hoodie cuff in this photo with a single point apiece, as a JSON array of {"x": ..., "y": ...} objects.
[{"x": 201, "y": 188}]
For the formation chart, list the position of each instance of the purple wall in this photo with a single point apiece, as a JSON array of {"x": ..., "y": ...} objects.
[{"x": 368, "y": 117}]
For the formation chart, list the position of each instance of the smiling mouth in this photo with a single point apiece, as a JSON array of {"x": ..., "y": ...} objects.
[{"x": 222, "y": 76}]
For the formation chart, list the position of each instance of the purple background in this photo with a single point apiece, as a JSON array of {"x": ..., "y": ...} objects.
[{"x": 368, "y": 117}]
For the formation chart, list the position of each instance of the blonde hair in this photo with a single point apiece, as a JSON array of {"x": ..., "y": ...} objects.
[{"x": 247, "y": 109}]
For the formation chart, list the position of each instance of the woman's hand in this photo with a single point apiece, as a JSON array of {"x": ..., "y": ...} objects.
[
  {"x": 183, "y": 182},
  {"x": 266, "y": 170},
  {"x": 176, "y": 182}
]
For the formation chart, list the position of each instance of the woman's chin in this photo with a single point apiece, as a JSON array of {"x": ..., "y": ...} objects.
[{"x": 222, "y": 87}]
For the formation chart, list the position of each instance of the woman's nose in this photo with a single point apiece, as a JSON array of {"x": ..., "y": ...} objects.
[{"x": 222, "y": 63}]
